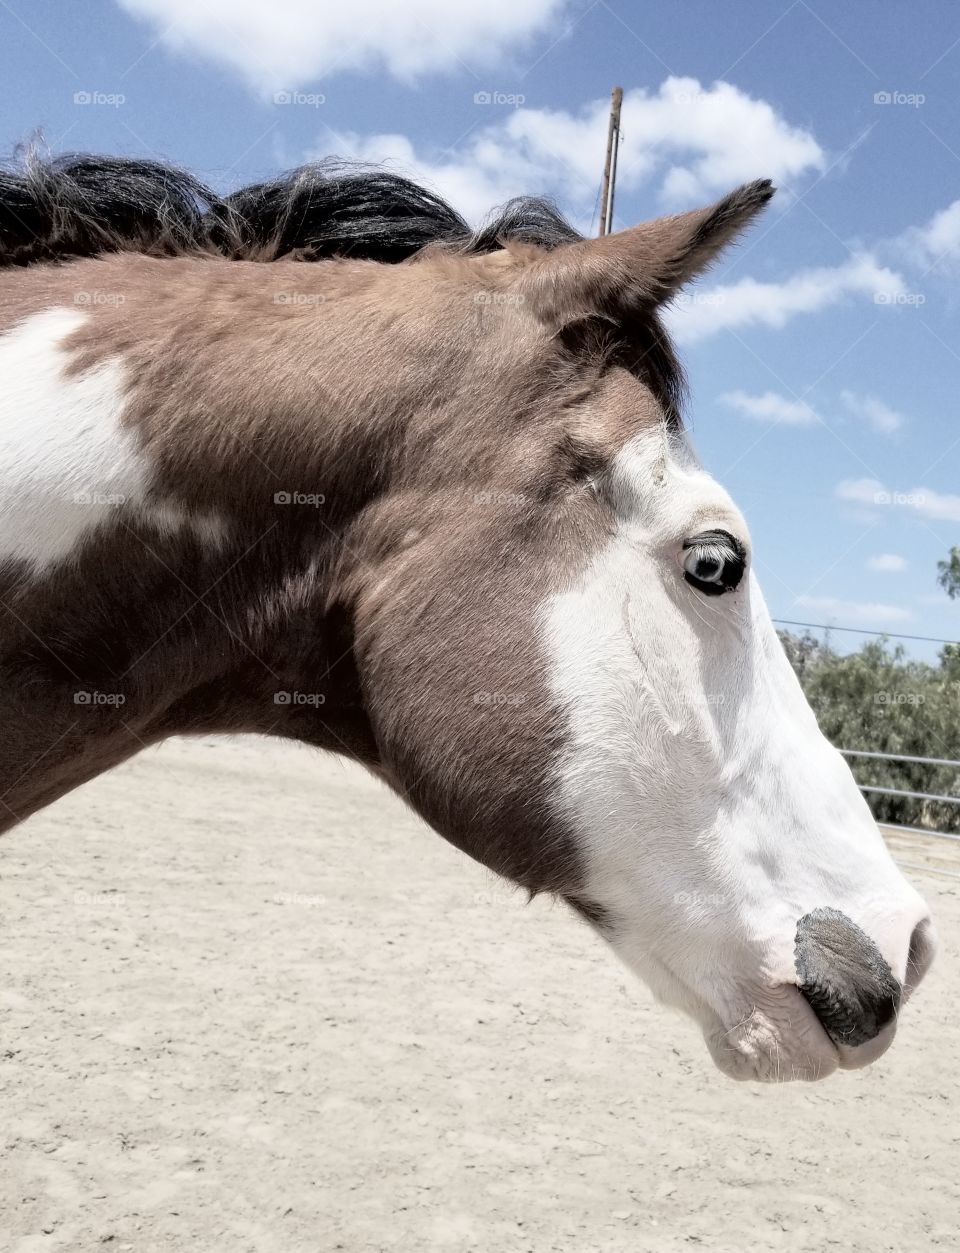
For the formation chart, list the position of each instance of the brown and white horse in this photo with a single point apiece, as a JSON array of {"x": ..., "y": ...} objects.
[{"x": 427, "y": 501}]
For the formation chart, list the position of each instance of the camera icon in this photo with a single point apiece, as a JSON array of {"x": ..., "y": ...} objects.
[
  {"x": 482, "y": 97},
  {"x": 281, "y": 698},
  {"x": 882, "y": 97},
  {"x": 281, "y": 498},
  {"x": 81, "y": 698},
  {"x": 282, "y": 97},
  {"x": 82, "y": 97}
]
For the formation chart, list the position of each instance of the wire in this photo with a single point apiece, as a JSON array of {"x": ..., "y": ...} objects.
[
  {"x": 596, "y": 206},
  {"x": 895, "y": 635}
]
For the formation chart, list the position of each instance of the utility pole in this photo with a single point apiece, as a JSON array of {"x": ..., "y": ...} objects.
[{"x": 610, "y": 164}]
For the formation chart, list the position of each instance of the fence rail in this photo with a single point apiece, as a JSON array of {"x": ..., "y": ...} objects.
[
  {"x": 926, "y": 761},
  {"x": 920, "y": 796},
  {"x": 901, "y": 829}
]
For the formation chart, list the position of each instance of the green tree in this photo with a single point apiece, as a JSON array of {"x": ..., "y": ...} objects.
[
  {"x": 948, "y": 574},
  {"x": 950, "y": 661},
  {"x": 879, "y": 701}
]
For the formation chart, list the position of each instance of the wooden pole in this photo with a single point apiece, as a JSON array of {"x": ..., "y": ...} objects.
[
  {"x": 613, "y": 171},
  {"x": 610, "y": 164}
]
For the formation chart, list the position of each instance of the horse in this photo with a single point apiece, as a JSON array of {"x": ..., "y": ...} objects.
[{"x": 317, "y": 460}]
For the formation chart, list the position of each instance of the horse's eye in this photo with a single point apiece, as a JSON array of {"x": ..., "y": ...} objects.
[{"x": 714, "y": 562}]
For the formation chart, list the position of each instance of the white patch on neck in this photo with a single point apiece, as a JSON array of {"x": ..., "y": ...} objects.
[{"x": 67, "y": 463}]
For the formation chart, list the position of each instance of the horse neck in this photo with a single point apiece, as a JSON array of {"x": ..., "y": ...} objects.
[
  {"x": 166, "y": 642},
  {"x": 209, "y": 605},
  {"x": 268, "y": 406}
]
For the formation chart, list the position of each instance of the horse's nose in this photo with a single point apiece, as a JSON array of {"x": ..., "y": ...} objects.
[
  {"x": 923, "y": 949},
  {"x": 844, "y": 977}
]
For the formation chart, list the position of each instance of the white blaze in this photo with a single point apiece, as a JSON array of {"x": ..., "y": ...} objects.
[{"x": 710, "y": 810}]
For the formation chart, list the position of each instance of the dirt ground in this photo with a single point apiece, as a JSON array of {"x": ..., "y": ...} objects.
[{"x": 250, "y": 1003}]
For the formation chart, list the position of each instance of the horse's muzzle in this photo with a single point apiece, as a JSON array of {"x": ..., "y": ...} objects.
[{"x": 844, "y": 977}]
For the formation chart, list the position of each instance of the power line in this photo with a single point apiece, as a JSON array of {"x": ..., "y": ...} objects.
[{"x": 895, "y": 635}]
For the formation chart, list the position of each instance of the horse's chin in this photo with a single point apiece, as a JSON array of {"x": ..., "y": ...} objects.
[
  {"x": 780, "y": 1042},
  {"x": 765, "y": 1050}
]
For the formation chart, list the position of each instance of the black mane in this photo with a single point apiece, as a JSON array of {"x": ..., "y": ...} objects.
[{"x": 81, "y": 205}]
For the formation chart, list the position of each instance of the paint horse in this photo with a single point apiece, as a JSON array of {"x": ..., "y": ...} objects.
[{"x": 315, "y": 460}]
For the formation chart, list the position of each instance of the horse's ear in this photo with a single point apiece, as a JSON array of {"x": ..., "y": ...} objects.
[{"x": 638, "y": 268}]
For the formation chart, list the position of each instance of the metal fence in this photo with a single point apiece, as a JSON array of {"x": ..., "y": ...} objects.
[{"x": 920, "y": 796}]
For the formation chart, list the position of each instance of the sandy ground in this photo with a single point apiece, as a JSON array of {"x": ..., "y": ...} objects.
[{"x": 250, "y": 1003}]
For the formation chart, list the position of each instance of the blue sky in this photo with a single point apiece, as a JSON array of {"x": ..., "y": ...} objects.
[{"x": 823, "y": 353}]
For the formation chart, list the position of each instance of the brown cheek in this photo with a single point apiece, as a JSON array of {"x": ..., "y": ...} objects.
[{"x": 456, "y": 686}]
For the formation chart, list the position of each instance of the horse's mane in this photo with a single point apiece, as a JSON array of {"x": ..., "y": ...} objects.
[{"x": 82, "y": 205}]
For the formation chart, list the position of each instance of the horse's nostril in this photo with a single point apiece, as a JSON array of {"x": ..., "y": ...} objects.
[
  {"x": 844, "y": 977},
  {"x": 923, "y": 948}
]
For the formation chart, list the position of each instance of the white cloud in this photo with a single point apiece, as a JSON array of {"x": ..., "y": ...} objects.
[
  {"x": 938, "y": 506},
  {"x": 714, "y": 138},
  {"x": 286, "y": 43},
  {"x": 688, "y": 139},
  {"x": 854, "y": 612},
  {"x": 696, "y": 140},
  {"x": 887, "y": 563},
  {"x": 938, "y": 240},
  {"x": 878, "y": 415},
  {"x": 771, "y": 407},
  {"x": 941, "y": 600},
  {"x": 861, "y": 491},
  {"x": 752, "y": 303}
]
